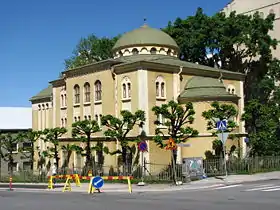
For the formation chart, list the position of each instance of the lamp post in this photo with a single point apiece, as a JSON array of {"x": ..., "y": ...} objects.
[{"x": 142, "y": 137}]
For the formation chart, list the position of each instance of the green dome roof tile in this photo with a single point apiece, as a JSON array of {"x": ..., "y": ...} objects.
[{"x": 145, "y": 35}]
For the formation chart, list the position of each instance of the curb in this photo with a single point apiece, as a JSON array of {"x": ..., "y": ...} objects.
[{"x": 28, "y": 186}]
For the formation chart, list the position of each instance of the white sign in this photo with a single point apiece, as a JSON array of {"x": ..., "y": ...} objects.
[
  {"x": 223, "y": 137},
  {"x": 183, "y": 145}
]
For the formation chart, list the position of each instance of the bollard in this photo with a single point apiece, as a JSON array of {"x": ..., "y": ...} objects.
[{"x": 10, "y": 184}]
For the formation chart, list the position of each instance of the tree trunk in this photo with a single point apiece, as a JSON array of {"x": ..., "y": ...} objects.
[
  {"x": 11, "y": 161},
  {"x": 56, "y": 156},
  {"x": 32, "y": 156},
  {"x": 88, "y": 154},
  {"x": 124, "y": 159}
]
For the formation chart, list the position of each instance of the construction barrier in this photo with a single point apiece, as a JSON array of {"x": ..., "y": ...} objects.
[
  {"x": 91, "y": 189},
  {"x": 67, "y": 185}
]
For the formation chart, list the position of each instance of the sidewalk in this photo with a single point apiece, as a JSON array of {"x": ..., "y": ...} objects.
[{"x": 117, "y": 187}]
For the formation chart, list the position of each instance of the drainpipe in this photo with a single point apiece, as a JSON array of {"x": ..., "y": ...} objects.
[{"x": 116, "y": 102}]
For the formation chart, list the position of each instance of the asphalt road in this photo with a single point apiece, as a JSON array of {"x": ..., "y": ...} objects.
[{"x": 254, "y": 196}]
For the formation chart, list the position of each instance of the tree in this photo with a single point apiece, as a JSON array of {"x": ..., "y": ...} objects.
[
  {"x": 119, "y": 128},
  {"x": 176, "y": 119},
  {"x": 30, "y": 137},
  {"x": 68, "y": 150},
  {"x": 89, "y": 50},
  {"x": 52, "y": 136},
  {"x": 9, "y": 145},
  {"x": 83, "y": 131},
  {"x": 238, "y": 43},
  {"x": 220, "y": 112}
]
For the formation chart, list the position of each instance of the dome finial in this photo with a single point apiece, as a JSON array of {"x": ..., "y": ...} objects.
[{"x": 145, "y": 22}]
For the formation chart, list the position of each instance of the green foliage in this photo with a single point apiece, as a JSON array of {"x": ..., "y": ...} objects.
[
  {"x": 220, "y": 112},
  {"x": 238, "y": 43},
  {"x": 119, "y": 128},
  {"x": 89, "y": 50},
  {"x": 8, "y": 145},
  {"x": 177, "y": 118},
  {"x": 52, "y": 136},
  {"x": 82, "y": 131},
  {"x": 31, "y": 137}
]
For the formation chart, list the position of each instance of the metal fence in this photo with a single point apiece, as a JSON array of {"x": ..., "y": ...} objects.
[{"x": 152, "y": 172}]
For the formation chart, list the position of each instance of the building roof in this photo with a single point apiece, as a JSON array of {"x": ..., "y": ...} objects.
[
  {"x": 145, "y": 35},
  {"x": 205, "y": 88},
  {"x": 13, "y": 118},
  {"x": 45, "y": 93}
]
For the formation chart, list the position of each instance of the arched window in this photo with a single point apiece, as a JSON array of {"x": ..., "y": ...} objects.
[
  {"x": 168, "y": 52},
  {"x": 75, "y": 119},
  {"x": 77, "y": 94},
  {"x": 157, "y": 89},
  {"x": 96, "y": 118},
  {"x": 62, "y": 122},
  {"x": 65, "y": 122},
  {"x": 89, "y": 117},
  {"x": 62, "y": 101},
  {"x": 135, "y": 51},
  {"x": 231, "y": 89},
  {"x": 160, "y": 88},
  {"x": 87, "y": 92},
  {"x": 126, "y": 88},
  {"x": 85, "y": 117},
  {"x": 79, "y": 118},
  {"x": 153, "y": 51},
  {"x": 65, "y": 100},
  {"x": 98, "y": 91}
]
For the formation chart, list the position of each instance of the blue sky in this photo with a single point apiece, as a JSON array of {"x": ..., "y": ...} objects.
[{"x": 36, "y": 36}]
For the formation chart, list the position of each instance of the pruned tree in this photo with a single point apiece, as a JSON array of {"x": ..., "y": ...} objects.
[
  {"x": 175, "y": 118},
  {"x": 8, "y": 145},
  {"x": 119, "y": 129},
  {"x": 220, "y": 112},
  {"x": 83, "y": 131},
  {"x": 30, "y": 138},
  {"x": 52, "y": 136},
  {"x": 68, "y": 150}
]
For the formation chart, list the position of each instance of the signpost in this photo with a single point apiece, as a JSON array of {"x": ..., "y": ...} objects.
[
  {"x": 171, "y": 145},
  {"x": 97, "y": 182},
  {"x": 222, "y": 126},
  {"x": 143, "y": 147}
]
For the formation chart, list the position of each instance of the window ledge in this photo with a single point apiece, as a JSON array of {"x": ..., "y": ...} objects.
[
  {"x": 98, "y": 102},
  {"x": 161, "y": 98},
  {"x": 86, "y": 103},
  {"x": 126, "y": 99},
  {"x": 76, "y": 105},
  {"x": 63, "y": 107}
]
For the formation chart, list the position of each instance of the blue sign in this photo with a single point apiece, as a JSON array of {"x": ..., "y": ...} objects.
[
  {"x": 142, "y": 146},
  {"x": 222, "y": 125},
  {"x": 246, "y": 140},
  {"x": 97, "y": 182}
]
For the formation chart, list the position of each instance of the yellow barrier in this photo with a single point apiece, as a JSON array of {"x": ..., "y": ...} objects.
[
  {"x": 74, "y": 177},
  {"x": 67, "y": 185},
  {"x": 91, "y": 188}
]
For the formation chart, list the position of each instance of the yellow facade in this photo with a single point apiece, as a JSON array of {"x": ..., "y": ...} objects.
[{"x": 139, "y": 79}]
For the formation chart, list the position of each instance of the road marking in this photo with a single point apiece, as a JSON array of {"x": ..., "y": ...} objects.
[
  {"x": 229, "y": 186},
  {"x": 270, "y": 190},
  {"x": 261, "y": 188}
]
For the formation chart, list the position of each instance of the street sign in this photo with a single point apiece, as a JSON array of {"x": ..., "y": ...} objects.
[
  {"x": 183, "y": 145},
  {"x": 97, "y": 182},
  {"x": 223, "y": 137},
  {"x": 171, "y": 145},
  {"x": 246, "y": 140},
  {"x": 142, "y": 146},
  {"x": 222, "y": 125}
]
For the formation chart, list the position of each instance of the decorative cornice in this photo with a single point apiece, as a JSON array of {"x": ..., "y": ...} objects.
[
  {"x": 41, "y": 100},
  {"x": 232, "y": 98},
  {"x": 57, "y": 83},
  {"x": 174, "y": 69}
]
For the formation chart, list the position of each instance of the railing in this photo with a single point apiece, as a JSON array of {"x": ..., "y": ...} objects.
[{"x": 152, "y": 172}]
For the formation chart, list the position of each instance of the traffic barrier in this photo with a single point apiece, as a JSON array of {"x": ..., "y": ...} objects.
[
  {"x": 92, "y": 189},
  {"x": 68, "y": 177}
]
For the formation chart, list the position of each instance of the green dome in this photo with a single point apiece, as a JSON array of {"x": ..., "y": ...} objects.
[
  {"x": 205, "y": 88},
  {"x": 145, "y": 36}
]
